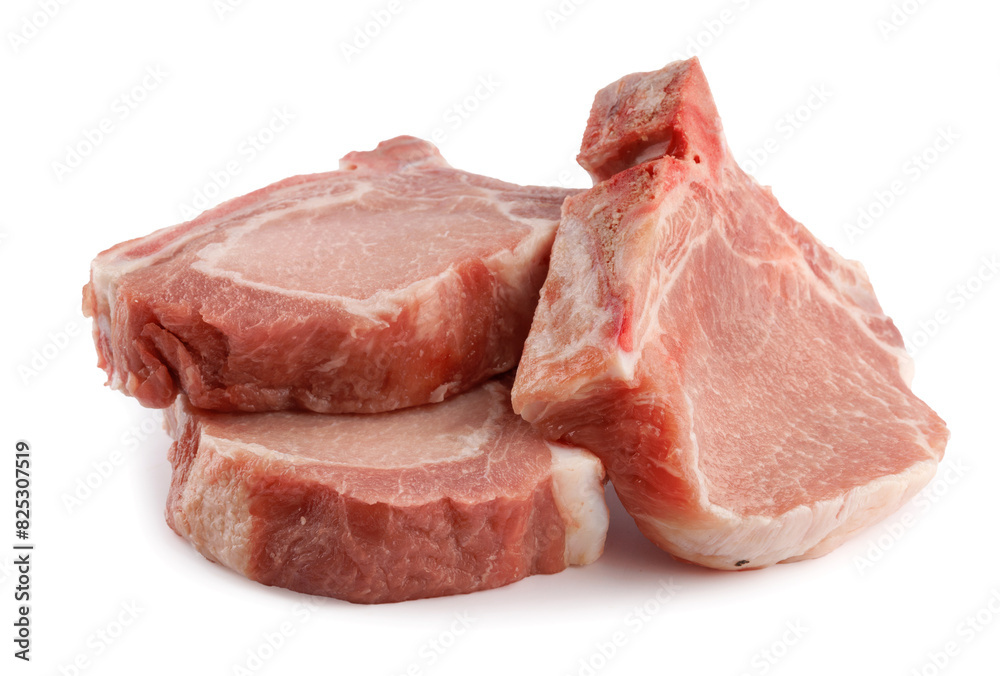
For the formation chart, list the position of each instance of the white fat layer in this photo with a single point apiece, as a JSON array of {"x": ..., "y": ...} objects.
[
  {"x": 578, "y": 488},
  {"x": 856, "y": 313},
  {"x": 460, "y": 447},
  {"x": 106, "y": 271},
  {"x": 648, "y": 327},
  {"x": 804, "y": 532},
  {"x": 384, "y": 306},
  {"x": 621, "y": 365},
  {"x": 807, "y": 531},
  {"x": 214, "y": 515}
]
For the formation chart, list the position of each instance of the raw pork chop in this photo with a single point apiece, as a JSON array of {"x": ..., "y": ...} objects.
[
  {"x": 393, "y": 282},
  {"x": 440, "y": 499},
  {"x": 743, "y": 387}
]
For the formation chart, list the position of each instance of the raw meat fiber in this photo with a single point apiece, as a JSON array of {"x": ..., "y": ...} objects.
[
  {"x": 749, "y": 398},
  {"x": 395, "y": 281},
  {"x": 439, "y": 499}
]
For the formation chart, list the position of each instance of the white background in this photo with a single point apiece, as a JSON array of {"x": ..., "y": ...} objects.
[{"x": 888, "y": 602}]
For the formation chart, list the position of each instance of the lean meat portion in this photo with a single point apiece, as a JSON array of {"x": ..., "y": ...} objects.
[
  {"x": 433, "y": 500},
  {"x": 393, "y": 282},
  {"x": 739, "y": 380}
]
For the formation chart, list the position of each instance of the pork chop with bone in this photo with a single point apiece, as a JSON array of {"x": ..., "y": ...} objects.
[{"x": 743, "y": 387}]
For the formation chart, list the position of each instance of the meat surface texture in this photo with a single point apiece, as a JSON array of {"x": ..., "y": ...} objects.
[
  {"x": 440, "y": 499},
  {"x": 395, "y": 281},
  {"x": 739, "y": 380}
]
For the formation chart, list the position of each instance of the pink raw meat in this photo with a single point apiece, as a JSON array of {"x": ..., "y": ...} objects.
[
  {"x": 440, "y": 499},
  {"x": 394, "y": 282},
  {"x": 748, "y": 396}
]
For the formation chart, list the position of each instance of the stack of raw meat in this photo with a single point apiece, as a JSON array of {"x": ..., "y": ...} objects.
[{"x": 335, "y": 353}]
